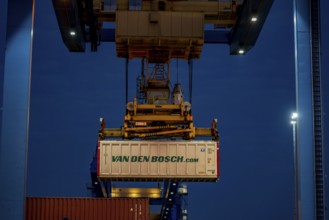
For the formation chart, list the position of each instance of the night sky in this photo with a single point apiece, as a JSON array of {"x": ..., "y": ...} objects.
[{"x": 252, "y": 96}]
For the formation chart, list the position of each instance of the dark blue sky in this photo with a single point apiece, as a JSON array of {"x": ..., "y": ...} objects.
[{"x": 252, "y": 96}]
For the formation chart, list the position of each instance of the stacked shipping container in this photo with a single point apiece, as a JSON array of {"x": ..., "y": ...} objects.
[{"x": 86, "y": 209}]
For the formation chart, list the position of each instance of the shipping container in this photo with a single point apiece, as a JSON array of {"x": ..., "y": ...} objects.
[
  {"x": 38, "y": 208},
  {"x": 158, "y": 160}
]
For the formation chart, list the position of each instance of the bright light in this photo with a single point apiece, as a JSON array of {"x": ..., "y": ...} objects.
[
  {"x": 253, "y": 19},
  {"x": 294, "y": 116},
  {"x": 72, "y": 33},
  {"x": 241, "y": 51},
  {"x": 169, "y": 199},
  {"x": 171, "y": 193}
]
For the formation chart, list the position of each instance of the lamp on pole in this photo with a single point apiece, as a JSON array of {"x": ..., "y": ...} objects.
[{"x": 293, "y": 121}]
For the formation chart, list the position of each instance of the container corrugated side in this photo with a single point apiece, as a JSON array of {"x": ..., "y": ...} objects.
[
  {"x": 158, "y": 160},
  {"x": 38, "y": 208},
  {"x": 136, "y": 25}
]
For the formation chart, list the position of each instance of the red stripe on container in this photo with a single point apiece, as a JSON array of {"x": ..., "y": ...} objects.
[
  {"x": 98, "y": 158},
  {"x": 218, "y": 159}
]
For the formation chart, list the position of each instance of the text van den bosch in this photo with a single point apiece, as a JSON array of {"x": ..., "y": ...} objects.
[{"x": 154, "y": 159}]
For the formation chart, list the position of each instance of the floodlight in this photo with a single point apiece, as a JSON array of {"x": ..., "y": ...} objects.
[{"x": 294, "y": 116}]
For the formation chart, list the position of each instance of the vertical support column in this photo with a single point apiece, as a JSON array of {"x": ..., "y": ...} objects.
[
  {"x": 17, "y": 32},
  {"x": 295, "y": 153},
  {"x": 305, "y": 134},
  {"x": 317, "y": 111},
  {"x": 3, "y": 30}
]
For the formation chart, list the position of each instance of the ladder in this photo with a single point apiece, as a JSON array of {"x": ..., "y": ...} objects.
[{"x": 317, "y": 110}]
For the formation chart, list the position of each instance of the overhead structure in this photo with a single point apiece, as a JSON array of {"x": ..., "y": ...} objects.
[
  {"x": 78, "y": 18},
  {"x": 16, "y": 36},
  {"x": 236, "y": 23}
]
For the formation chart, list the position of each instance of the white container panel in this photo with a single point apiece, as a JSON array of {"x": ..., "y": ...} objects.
[
  {"x": 158, "y": 160},
  {"x": 145, "y": 167}
]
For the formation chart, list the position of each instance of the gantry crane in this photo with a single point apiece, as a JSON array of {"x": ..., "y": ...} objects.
[{"x": 156, "y": 32}]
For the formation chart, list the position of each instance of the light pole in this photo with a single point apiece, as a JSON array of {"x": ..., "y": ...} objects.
[{"x": 293, "y": 121}]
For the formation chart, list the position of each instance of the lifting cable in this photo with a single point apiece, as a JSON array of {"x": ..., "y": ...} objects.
[
  {"x": 177, "y": 69},
  {"x": 143, "y": 68},
  {"x": 127, "y": 61},
  {"x": 190, "y": 72}
]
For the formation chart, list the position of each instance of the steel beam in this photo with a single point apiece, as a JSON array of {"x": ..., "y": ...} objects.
[
  {"x": 16, "y": 49},
  {"x": 319, "y": 158},
  {"x": 210, "y": 36},
  {"x": 305, "y": 133}
]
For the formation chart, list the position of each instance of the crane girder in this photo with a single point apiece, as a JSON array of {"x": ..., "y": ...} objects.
[
  {"x": 231, "y": 22},
  {"x": 221, "y": 13}
]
